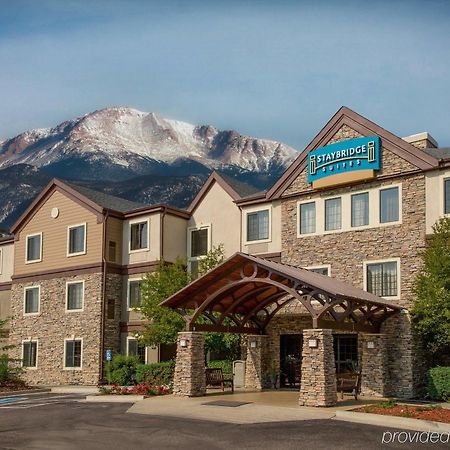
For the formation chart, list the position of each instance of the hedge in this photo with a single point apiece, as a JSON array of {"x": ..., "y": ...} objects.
[
  {"x": 438, "y": 385},
  {"x": 224, "y": 364},
  {"x": 156, "y": 374},
  {"x": 122, "y": 370}
]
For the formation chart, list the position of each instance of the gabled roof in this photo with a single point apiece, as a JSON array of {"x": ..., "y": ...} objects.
[
  {"x": 107, "y": 201},
  {"x": 97, "y": 202},
  {"x": 345, "y": 116},
  {"x": 234, "y": 188}
]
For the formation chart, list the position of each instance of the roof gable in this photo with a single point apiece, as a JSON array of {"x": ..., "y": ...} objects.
[{"x": 346, "y": 117}]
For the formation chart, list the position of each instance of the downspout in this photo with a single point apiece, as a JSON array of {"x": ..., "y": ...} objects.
[{"x": 103, "y": 303}]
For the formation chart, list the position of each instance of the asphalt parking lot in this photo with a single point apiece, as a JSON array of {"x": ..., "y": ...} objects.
[{"x": 58, "y": 421}]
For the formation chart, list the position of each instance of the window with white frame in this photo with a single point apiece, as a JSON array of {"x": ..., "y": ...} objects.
[
  {"x": 134, "y": 293},
  {"x": 360, "y": 209},
  {"x": 322, "y": 270},
  {"x": 199, "y": 243},
  {"x": 447, "y": 196},
  {"x": 134, "y": 348},
  {"x": 29, "y": 353},
  {"x": 34, "y": 248},
  {"x": 139, "y": 235},
  {"x": 76, "y": 244},
  {"x": 333, "y": 214},
  {"x": 32, "y": 298},
  {"x": 307, "y": 213},
  {"x": 258, "y": 225},
  {"x": 382, "y": 278},
  {"x": 389, "y": 205},
  {"x": 73, "y": 353},
  {"x": 74, "y": 295}
]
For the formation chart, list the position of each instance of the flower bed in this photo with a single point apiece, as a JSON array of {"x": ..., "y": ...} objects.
[
  {"x": 434, "y": 413},
  {"x": 139, "y": 389}
]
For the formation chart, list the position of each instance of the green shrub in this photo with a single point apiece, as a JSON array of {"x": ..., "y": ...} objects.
[
  {"x": 224, "y": 364},
  {"x": 122, "y": 369},
  {"x": 156, "y": 374},
  {"x": 438, "y": 385}
]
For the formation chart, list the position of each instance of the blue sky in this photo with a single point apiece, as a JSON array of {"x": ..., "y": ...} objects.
[{"x": 275, "y": 69}]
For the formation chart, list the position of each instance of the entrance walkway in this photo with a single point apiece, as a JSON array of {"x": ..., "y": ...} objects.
[{"x": 240, "y": 407}]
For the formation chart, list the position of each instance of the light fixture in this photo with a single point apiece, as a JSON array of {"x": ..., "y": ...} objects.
[
  {"x": 312, "y": 343},
  {"x": 183, "y": 342},
  {"x": 253, "y": 344},
  {"x": 370, "y": 344}
]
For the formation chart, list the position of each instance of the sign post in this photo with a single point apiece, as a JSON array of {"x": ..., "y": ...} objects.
[{"x": 108, "y": 360}]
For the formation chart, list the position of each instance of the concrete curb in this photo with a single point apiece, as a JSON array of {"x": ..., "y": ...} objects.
[
  {"x": 23, "y": 392},
  {"x": 74, "y": 389},
  {"x": 392, "y": 421},
  {"x": 114, "y": 398}
]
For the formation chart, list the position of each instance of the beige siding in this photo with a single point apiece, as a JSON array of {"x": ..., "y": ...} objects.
[
  {"x": 434, "y": 185},
  {"x": 5, "y": 304},
  {"x": 54, "y": 236},
  {"x": 174, "y": 238},
  {"x": 271, "y": 245},
  {"x": 218, "y": 209},
  {"x": 6, "y": 262},
  {"x": 153, "y": 251},
  {"x": 114, "y": 232}
]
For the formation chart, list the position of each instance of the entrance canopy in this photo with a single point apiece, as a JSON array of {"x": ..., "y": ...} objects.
[{"x": 243, "y": 294}]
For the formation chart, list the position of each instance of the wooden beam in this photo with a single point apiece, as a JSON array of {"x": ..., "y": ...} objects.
[{"x": 224, "y": 329}]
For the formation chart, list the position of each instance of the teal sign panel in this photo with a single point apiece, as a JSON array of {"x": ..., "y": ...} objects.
[{"x": 347, "y": 156}]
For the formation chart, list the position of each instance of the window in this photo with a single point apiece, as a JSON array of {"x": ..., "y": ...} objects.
[
  {"x": 139, "y": 236},
  {"x": 29, "y": 354},
  {"x": 322, "y": 270},
  {"x": 389, "y": 205},
  {"x": 258, "y": 225},
  {"x": 74, "y": 295},
  {"x": 360, "y": 209},
  {"x": 345, "y": 352},
  {"x": 72, "y": 353},
  {"x": 382, "y": 279},
  {"x": 199, "y": 242},
  {"x": 333, "y": 214},
  {"x": 136, "y": 349},
  {"x": 447, "y": 196},
  {"x": 134, "y": 294},
  {"x": 77, "y": 240},
  {"x": 32, "y": 295},
  {"x": 308, "y": 218},
  {"x": 34, "y": 248},
  {"x": 112, "y": 251}
]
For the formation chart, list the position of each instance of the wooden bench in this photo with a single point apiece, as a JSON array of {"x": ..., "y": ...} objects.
[
  {"x": 349, "y": 382},
  {"x": 215, "y": 377}
]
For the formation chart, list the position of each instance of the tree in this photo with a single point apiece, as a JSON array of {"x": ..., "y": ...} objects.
[
  {"x": 431, "y": 309},
  {"x": 10, "y": 369},
  {"x": 164, "y": 323}
]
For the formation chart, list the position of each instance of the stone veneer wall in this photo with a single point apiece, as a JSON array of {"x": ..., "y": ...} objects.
[
  {"x": 318, "y": 375},
  {"x": 374, "y": 374},
  {"x": 54, "y": 324},
  {"x": 113, "y": 292},
  {"x": 257, "y": 363},
  {"x": 189, "y": 378},
  {"x": 346, "y": 252}
]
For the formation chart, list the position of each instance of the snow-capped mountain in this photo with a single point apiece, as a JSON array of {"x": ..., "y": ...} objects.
[
  {"x": 132, "y": 154},
  {"x": 122, "y": 142}
]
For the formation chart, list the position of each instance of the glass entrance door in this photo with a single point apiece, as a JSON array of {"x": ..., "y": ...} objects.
[{"x": 290, "y": 360}]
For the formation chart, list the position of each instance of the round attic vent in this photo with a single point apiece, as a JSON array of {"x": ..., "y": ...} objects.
[{"x": 55, "y": 213}]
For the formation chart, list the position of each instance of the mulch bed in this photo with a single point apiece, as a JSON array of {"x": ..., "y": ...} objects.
[
  {"x": 13, "y": 387},
  {"x": 436, "y": 414}
]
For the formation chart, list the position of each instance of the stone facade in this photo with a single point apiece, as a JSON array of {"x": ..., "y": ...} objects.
[
  {"x": 374, "y": 365},
  {"x": 257, "y": 364},
  {"x": 318, "y": 374},
  {"x": 346, "y": 251},
  {"x": 189, "y": 379},
  {"x": 113, "y": 312},
  {"x": 53, "y": 325}
]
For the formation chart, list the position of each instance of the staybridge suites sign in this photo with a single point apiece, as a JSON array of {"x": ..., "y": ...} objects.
[{"x": 343, "y": 162}]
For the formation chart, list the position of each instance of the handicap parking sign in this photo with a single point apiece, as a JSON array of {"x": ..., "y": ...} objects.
[{"x": 108, "y": 354}]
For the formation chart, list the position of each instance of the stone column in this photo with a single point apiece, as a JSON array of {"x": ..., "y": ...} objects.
[
  {"x": 374, "y": 364},
  {"x": 256, "y": 362},
  {"x": 189, "y": 378},
  {"x": 318, "y": 374}
]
